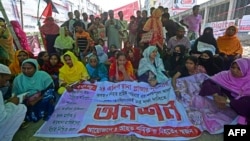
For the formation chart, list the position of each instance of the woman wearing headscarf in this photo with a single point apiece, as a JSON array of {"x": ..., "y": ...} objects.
[
  {"x": 231, "y": 87},
  {"x": 50, "y": 31},
  {"x": 121, "y": 69},
  {"x": 97, "y": 71},
  {"x": 102, "y": 56},
  {"x": 73, "y": 71},
  {"x": 52, "y": 67},
  {"x": 207, "y": 60},
  {"x": 40, "y": 94},
  {"x": 176, "y": 61},
  {"x": 151, "y": 68},
  {"x": 63, "y": 42},
  {"x": 154, "y": 23},
  {"x": 208, "y": 38},
  {"x": 229, "y": 46},
  {"x": 15, "y": 66},
  {"x": 6, "y": 44}
]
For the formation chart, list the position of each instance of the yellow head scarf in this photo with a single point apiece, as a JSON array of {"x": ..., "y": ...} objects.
[{"x": 72, "y": 74}]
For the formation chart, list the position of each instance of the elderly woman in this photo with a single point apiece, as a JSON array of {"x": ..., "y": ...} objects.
[
  {"x": 151, "y": 68},
  {"x": 97, "y": 71},
  {"x": 73, "y": 71},
  {"x": 231, "y": 87},
  {"x": 40, "y": 94}
]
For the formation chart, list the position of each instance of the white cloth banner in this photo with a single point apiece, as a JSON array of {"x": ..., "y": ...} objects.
[{"x": 120, "y": 108}]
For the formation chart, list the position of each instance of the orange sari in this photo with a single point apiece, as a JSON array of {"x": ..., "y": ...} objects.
[
  {"x": 154, "y": 23},
  {"x": 118, "y": 75},
  {"x": 230, "y": 45}
]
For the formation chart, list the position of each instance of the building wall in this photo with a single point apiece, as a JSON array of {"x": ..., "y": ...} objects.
[{"x": 31, "y": 13}]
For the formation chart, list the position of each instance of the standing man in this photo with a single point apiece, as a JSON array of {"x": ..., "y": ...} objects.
[
  {"x": 12, "y": 113},
  {"x": 71, "y": 23},
  {"x": 124, "y": 27},
  {"x": 193, "y": 23},
  {"x": 66, "y": 23},
  {"x": 113, "y": 27},
  {"x": 85, "y": 20}
]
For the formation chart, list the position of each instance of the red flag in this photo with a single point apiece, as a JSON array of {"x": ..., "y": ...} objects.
[{"x": 47, "y": 12}]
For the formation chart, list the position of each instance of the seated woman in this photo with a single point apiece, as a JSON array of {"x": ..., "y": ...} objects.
[
  {"x": 207, "y": 39},
  {"x": 39, "y": 86},
  {"x": 231, "y": 87},
  {"x": 175, "y": 61},
  {"x": 52, "y": 68},
  {"x": 42, "y": 57},
  {"x": 72, "y": 71},
  {"x": 98, "y": 51},
  {"x": 230, "y": 46},
  {"x": 64, "y": 42},
  {"x": 15, "y": 66},
  {"x": 134, "y": 59},
  {"x": 97, "y": 71},
  {"x": 191, "y": 67},
  {"x": 112, "y": 50},
  {"x": 151, "y": 68},
  {"x": 121, "y": 69},
  {"x": 206, "y": 60}
]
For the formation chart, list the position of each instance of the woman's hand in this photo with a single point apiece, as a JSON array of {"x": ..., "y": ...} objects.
[
  {"x": 69, "y": 88},
  {"x": 177, "y": 94},
  {"x": 221, "y": 101},
  {"x": 121, "y": 68}
]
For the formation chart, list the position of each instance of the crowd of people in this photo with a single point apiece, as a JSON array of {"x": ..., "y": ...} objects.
[{"x": 77, "y": 51}]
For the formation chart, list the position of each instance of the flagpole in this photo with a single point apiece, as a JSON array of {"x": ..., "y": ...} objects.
[
  {"x": 38, "y": 17},
  {"x": 21, "y": 10},
  {"x": 139, "y": 1}
]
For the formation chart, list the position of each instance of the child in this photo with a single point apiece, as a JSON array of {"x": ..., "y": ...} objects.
[
  {"x": 121, "y": 69},
  {"x": 83, "y": 41}
]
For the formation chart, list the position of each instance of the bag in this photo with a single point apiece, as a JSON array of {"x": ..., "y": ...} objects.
[
  {"x": 32, "y": 100},
  {"x": 147, "y": 37}
]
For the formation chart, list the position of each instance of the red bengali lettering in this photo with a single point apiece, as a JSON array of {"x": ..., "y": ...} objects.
[{"x": 142, "y": 129}]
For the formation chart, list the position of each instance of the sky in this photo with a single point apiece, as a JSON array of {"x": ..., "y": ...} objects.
[{"x": 113, "y": 4}]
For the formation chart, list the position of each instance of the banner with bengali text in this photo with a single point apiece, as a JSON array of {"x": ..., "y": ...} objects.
[
  {"x": 132, "y": 108},
  {"x": 125, "y": 108}
]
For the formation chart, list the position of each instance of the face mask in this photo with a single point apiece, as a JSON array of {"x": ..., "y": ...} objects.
[
  {"x": 203, "y": 61},
  {"x": 176, "y": 54}
]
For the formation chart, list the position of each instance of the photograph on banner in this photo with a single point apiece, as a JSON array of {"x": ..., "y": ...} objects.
[{"x": 34, "y": 44}]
